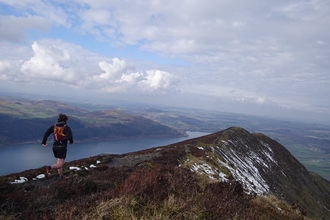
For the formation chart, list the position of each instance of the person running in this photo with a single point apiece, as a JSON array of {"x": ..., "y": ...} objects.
[{"x": 62, "y": 135}]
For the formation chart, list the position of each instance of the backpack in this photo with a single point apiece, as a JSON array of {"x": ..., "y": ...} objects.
[{"x": 58, "y": 133}]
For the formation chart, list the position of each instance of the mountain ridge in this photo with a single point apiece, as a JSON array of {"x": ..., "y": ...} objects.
[
  {"x": 268, "y": 156},
  {"x": 20, "y": 115},
  {"x": 309, "y": 143},
  {"x": 258, "y": 164}
]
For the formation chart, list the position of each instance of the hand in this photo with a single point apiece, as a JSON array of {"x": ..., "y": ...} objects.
[{"x": 44, "y": 145}]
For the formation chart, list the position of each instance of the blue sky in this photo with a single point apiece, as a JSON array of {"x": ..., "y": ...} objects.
[{"x": 255, "y": 57}]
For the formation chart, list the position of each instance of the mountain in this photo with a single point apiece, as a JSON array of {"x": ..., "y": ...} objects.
[
  {"x": 27, "y": 108},
  {"x": 26, "y": 120},
  {"x": 230, "y": 174},
  {"x": 308, "y": 142}
]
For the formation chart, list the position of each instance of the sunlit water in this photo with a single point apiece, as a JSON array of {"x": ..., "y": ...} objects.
[{"x": 20, "y": 157}]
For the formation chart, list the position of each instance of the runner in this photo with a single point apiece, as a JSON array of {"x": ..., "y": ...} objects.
[{"x": 62, "y": 134}]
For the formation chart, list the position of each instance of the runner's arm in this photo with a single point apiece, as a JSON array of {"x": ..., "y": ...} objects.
[
  {"x": 46, "y": 135},
  {"x": 68, "y": 134}
]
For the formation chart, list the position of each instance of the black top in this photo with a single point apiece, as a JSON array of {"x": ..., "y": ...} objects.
[{"x": 67, "y": 131}]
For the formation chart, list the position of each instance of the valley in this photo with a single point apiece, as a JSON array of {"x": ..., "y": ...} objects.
[{"x": 308, "y": 142}]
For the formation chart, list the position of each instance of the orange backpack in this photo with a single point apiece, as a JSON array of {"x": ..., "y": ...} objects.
[{"x": 58, "y": 133}]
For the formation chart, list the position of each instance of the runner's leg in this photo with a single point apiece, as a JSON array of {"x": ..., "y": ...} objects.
[
  {"x": 60, "y": 170},
  {"x": 60, "y": 155},
  {"x": 59, "y": 166}
]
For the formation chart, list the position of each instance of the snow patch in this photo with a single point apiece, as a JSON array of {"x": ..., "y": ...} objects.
[
  {"x": 74, "y": 168},
  {"x": 270, "y": 157},
  {"x": 224, "y": 142},
  {"x": 21, "y": 180},
  {"x": 207, "y": 169},
  {"x": 40, "y": 176},
  {"x": 266, "y": 145},
  {"x": 246, "y": 172}
]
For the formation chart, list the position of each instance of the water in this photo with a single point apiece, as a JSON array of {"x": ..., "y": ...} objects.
[{"x": 20, "y": 157}]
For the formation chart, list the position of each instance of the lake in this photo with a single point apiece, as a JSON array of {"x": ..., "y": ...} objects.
[{"x": 20, "y": 157}]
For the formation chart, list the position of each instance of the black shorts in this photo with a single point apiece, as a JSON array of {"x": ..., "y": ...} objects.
[{"x": 59, "y": 152}]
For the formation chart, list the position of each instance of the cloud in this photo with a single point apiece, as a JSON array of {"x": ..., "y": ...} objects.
[
  {"x": 14, "y": 28},
  {"x": 112, "y": 70},
  {"x": 50, "y": 62},
  {"x": 63, "y": 63},
  {"x": 273, "y": 52},
  {"x": 161, "y": 81},
  {"x": 5, "y": 67},
  {"x": 118, "y": 78},
  {"x": 53, "y": 13}
]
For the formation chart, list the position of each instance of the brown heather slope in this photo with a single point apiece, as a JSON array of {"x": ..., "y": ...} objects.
[{"x": 159, "y": 183}]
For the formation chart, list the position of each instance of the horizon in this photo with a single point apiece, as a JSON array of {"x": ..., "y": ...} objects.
[
  {"x": 306, "y": 140},
  {"x": 268, "y": 60},
  {"x": 132, "y": 104}
]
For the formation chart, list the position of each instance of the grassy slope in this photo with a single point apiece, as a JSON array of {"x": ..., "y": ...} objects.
[{"x": 153, "y": 187}]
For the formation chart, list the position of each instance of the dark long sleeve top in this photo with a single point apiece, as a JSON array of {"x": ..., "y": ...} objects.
[{"x": 67, "y": 131}]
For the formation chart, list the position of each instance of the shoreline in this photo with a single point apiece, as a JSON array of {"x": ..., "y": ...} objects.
[{"x": 100, "y": 139}]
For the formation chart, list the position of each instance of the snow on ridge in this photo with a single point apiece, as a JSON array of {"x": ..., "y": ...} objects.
[
  {"x": 230, "y": 141},
  {"x": 266, "y": 145},
  {"x": 203, "y": 167},
  {"x": 41, "y": 176},
  {"x": 74, "y": 168},
  {"x": 246, "y": 172},
  {"x": 270, "y": 157},
  {"x": 207, "y": 169},
  {"x": 269, "y": 152},
  {"x": 243, "y": 169},
  {"x": 21, "y": 180}
]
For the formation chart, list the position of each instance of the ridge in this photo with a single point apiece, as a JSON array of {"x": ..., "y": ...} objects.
[{"x": 233, "y": 164}]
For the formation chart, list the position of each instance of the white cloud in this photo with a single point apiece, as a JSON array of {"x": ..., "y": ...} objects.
[
  {"x": 14, "y": 28},
  {"x": 50, "y": 62},
  {"x": 267, "y": 52},
  {"x": 160, "y": 81},
  {"x": 261, "y": 100},
  {"x": 152, "y": 82},
  {"x": 113, "y": 70},
  {"x": 10, "y": 70},
  {"x": 5, "y": 66},
  {"x": 61, "y": 62},
  {"x": 53, "y": 13}
]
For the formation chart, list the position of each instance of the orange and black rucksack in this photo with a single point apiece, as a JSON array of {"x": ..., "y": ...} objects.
[{"x": 58, "y": 133}]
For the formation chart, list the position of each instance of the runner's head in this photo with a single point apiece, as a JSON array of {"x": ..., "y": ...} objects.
[{"x": 62, "y": 117}]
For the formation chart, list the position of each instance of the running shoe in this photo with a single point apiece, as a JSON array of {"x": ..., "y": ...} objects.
[{"x": 47, "y": 172}]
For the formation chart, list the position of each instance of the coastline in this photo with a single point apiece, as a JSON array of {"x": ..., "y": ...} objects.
[{"x": 102, "y": 139}]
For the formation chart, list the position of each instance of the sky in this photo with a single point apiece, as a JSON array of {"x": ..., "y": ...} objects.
[{"x": 268, "y": 58}]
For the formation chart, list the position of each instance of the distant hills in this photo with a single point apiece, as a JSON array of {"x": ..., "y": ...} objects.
[
  {"x": 26, "y": 120},
  {"x": 229, "y": 174}
]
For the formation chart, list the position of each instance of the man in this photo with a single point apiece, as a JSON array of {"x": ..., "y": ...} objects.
[{"x": 62, "y": 134}]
